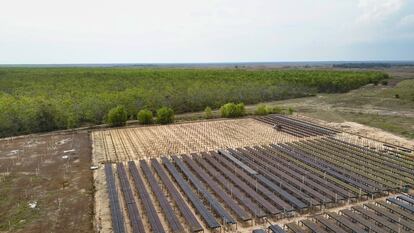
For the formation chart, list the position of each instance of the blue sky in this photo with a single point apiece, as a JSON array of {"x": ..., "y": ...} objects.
[{"x": 136, "y": 31}]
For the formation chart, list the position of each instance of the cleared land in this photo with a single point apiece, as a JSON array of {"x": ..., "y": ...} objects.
[
  {"x": 51, "y": 173},
  {"x": 217, "y": 189},
  {"x": 146, "y": 142},
  {"x": 372, "y": 105}
]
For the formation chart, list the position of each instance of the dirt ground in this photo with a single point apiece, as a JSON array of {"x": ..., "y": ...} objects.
[
  {"x": 152, "y": 141},
  {"x": 46, "y": 184},
  {"x": 102, "y": 218},
  {"x": 364, "y": 131}
]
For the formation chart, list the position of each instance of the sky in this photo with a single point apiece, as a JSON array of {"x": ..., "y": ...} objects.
[{"x": 194, "y": 31}]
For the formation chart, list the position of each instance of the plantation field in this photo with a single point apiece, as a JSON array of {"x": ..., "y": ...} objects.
[{"x": 44, "y": 99}]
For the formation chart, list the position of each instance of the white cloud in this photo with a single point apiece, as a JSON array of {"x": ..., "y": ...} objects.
[
  {"x": 407, "y": 21},
  {"x": 378, "y": 10},
  {"x": 93, "y": 31}
]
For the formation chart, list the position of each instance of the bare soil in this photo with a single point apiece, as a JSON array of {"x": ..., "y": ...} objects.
[
  {"x": 36, "y": 170},
  {"x": 375, "y": 134}
]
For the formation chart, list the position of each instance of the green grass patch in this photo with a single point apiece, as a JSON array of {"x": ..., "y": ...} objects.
[
  {"x": 400, "y": 97},
  {"x": 398, "y": 125},
  {"x": 15, "y": 212},
  {"x": 403, "y": 126}
]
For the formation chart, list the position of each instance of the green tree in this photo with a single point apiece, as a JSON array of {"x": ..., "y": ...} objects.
[
  {"x": 232, "y": 110},
  {"x": 145, "y": 117},
  {"x": 261, "y": 110},
  {"x": 117, "y": 116},
  {"x": 40, "y": 99},
  {"x": 241, "y": 111},
  {"x": 46, "y": 117},
  {"x": 276, "y": 110},
  {"x": 208, "y": 112},
  {"x": 165, "y": 115}
]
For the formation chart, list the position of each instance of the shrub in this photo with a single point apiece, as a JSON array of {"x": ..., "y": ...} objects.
[
  {"x": 384, "y": 82},
  {"x": 261, "y": 110},
  {"x": 290, "y": 111},
  {"x": 227, "y": 110},
  {"x": 117, "y": 116},
  {"x": 165, "y": 115},
  {"x": 145, "y": 117},
  {"x": 274, "y": 110},
  {"x": 231, "y": 110},
  {"x": 241, "y": 111},
  {"x": 208, "y": 112}
]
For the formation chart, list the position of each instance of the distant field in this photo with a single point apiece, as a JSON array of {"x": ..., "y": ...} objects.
[
  {"x": 375, "y": 106},
  {"x": 44, "y": 99}
]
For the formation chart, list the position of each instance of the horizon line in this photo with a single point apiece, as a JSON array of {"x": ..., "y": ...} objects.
[{"x": 208, "y": 63}]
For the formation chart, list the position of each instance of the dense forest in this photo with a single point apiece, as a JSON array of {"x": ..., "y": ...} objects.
[{"x": 44, "y": 99}]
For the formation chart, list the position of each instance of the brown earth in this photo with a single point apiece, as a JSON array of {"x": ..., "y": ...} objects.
[{"x": 33, "y": 170}]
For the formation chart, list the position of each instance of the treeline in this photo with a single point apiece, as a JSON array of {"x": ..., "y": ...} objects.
[
  {"x": 44, "y": 99},
  {"x": 366, "y": 65}
]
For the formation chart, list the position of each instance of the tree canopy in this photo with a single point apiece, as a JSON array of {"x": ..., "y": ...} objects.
[
  {"x": 44, "y": 99},
  {"x": 117, "y": 116},
  {"x": 145, "y": 117},
  {"x": 165, "y": 115}
]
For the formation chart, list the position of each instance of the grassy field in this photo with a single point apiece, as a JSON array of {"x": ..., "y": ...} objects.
[
  {"x": 403, "y": 126},
  {"x": 45, "y": 99},
  {"x": 371, "y": 105},
  {"x": 18, "y": 211}
]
